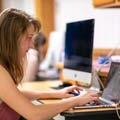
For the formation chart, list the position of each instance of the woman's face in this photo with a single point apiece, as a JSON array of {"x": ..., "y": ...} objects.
[{"x": 26, "y": 40}]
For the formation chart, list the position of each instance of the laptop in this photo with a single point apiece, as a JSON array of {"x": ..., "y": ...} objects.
[{"x": 111, "y": 94}]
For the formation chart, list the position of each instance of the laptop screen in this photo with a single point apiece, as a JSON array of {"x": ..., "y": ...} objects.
[{"x": 112, "y": 90}]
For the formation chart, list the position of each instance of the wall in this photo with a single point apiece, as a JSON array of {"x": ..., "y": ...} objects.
[
  {"x": 27, "y": 5},
  {"x": 107, "y": 21}
]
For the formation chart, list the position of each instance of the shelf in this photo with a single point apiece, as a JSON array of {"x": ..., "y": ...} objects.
[{"x": 106, "y": 3}]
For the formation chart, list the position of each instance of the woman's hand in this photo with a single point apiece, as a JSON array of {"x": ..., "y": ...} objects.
[
  {"x": 67, "y": 92},
  {"x": 88, "y": 97}
]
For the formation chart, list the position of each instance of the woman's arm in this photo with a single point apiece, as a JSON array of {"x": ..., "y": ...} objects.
[
  {"x": 22, "y": 105},
  {"x": 62, "y": 93}
]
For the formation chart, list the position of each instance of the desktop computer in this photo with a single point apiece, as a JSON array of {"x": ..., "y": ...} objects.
[{"x": 78, "y": 52}]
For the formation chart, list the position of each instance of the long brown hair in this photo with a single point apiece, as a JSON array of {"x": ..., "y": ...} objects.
[{"x": 13, "y": 24}]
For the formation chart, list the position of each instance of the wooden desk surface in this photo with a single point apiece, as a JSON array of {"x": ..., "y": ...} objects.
[
  {"x": 103, "y": 69},
  {"x": 40, "y": 85}
]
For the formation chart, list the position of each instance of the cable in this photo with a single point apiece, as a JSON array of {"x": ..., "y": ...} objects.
[
  {"x": 117, "y": 110},
  {"x": 96, "y": 77},
  {"x": 97, "y": 73}
]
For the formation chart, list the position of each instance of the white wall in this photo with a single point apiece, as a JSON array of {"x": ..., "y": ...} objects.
[
  {"x": 107, "y": 21},
  {"x": 27, "y": 5}
]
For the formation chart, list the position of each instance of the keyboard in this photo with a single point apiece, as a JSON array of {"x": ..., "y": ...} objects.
[
  {"x": 95, "y": 106},
  {"x": 98, "y": 104}
]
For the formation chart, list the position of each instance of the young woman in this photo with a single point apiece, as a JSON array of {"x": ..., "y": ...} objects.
[{"x": 16, "y": 31}]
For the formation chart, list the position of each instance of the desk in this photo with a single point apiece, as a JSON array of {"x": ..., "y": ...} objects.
[
  {"x": 83, "y": 114},
  {"x": 103, "y": 69},
  {"x": 40, "y": 85},
  {"x": 91, "y": 114}
]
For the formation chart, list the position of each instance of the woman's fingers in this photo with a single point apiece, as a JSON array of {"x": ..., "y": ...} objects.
[{"x": 72, "y": 88}]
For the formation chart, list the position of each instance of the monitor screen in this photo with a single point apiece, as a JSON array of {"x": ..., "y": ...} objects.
[{"x": 79, "y": 46}]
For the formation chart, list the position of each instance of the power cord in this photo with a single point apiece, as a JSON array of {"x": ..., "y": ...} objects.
[
  {"x": 96, "y": 77},
  {"x": 117, "y": 110}
]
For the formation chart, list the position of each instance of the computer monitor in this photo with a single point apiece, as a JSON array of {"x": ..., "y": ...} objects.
[{"x": 78, "y": 52}]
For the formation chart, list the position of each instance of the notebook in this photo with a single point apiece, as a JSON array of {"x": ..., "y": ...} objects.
[{"x": 111, "y": 94}]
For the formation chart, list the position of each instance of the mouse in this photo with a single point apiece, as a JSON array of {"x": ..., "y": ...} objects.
[{"x": 75, "y": 93}]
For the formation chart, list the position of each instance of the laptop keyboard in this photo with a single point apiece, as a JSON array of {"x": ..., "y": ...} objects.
[
  {"x": 95, "y": 106},
  {"x": 98, "y": 104}
]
